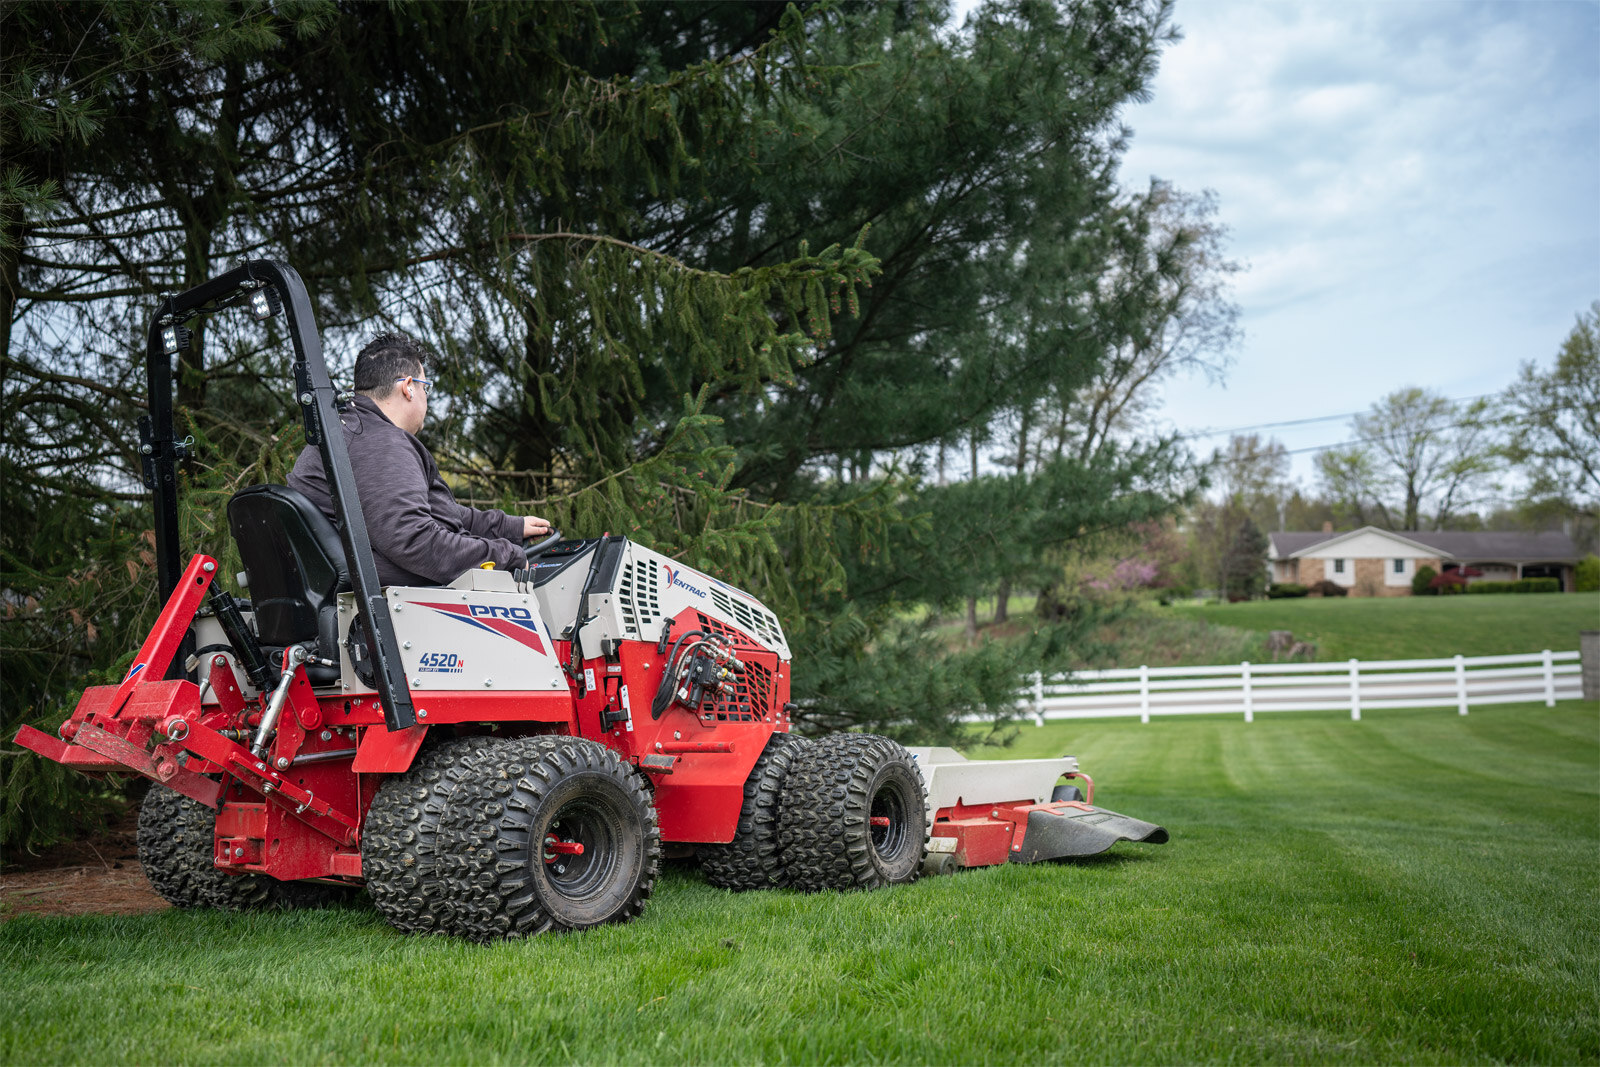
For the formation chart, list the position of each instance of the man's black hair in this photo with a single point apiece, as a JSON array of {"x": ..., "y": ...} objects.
[{"x": 387, "y": 358}]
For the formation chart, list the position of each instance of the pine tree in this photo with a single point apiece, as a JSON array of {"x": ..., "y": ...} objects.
[{"x": 715, "y": 276}]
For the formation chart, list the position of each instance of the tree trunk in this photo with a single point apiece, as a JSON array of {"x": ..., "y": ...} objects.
[
  {"x": 972, "y": 601},
  {"x": 532, "y": 446},
  {"x": 1002, "y": 596},
  {"x": 10, "y": 280},
  {"x": 204, "y": 216}
]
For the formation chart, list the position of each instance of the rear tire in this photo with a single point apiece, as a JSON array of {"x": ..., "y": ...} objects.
[
  {"x": 400, "y": 837},
  {"x": 1066, "y": 792},
  {"x": 507, "y": 877},
  {"x": 833, "y": 793},
  {"x": 177, "y": 836},
  {"x": 754, "y": 859}
]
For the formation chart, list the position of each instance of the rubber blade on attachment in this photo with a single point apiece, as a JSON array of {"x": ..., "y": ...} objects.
[{"x": 1071, "y": 830}]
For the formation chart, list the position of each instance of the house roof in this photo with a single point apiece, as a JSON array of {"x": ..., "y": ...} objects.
[
  {"x": 1501, "y": 546},
  {"x": 1287, "y": 543},
  {"x": 1486, "y": 546},
  {"x": 1328, "y": 540}
]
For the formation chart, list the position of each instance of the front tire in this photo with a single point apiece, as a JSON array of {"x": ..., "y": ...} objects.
[
  {"x": 553, "y": 834},
  {"x": 854, "y": 815},
  {"x": 754, "y": 859}
]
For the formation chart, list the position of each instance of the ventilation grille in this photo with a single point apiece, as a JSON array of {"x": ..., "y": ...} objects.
[
  {"x": 752, "y": 618},
  {"x": 751, "y": 700},
  {"x": 639, "y": 595},
  {"x": 738, "y": 637}
]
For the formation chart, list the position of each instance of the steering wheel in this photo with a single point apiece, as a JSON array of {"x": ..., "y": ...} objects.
[{"x": 535, "y": 551}]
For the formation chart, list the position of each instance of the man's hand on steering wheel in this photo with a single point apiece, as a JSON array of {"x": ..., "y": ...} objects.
[{"x": 533, "y": 526}]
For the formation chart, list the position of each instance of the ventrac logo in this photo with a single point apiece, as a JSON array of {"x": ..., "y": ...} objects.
[{"x": 675, "y": 578}]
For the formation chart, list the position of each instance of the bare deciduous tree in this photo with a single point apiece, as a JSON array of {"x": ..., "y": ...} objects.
[{"x": 1168, "y": 294}]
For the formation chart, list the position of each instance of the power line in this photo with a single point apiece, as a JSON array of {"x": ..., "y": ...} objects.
[
  {"x": 1306, "y": 422},
  {"x": 1463, "y": 424}
]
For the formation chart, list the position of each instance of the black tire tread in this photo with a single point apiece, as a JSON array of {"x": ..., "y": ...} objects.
[
  {"x": 827, "y": 801},
  {"x": 177, "y": 838},
  {"x": 754, "y": 858},
  {"x": 486, "y": 832},
  {"x": 400, "y": 836}
]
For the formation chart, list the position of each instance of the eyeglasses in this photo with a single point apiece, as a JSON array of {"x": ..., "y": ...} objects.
[{"x": 427, "y": 386}]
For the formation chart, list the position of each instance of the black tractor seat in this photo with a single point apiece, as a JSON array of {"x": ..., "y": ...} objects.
[{"x": 295, "y": 566}]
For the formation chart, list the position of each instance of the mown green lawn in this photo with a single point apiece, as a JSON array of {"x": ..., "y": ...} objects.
[
  {"x": 1416, "y": 887},
  {"x": 1415, "y": 627}
]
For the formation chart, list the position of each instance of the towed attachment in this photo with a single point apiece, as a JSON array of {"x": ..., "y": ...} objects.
[{"x": 983, "y": 812}]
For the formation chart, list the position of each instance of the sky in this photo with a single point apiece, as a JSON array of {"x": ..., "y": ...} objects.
[{"x": 1414, "y": 188}]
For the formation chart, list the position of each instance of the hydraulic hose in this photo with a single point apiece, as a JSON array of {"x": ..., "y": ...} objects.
[{"x": 669, "y": 677}]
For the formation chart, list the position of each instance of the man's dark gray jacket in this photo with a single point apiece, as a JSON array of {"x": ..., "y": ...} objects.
[{"x": 420, "y": 535}]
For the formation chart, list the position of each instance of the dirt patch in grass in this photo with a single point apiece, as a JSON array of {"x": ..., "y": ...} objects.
[{"x": 98, "y": 875}]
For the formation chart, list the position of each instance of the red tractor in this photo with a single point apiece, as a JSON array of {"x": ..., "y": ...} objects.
[{"x": 510, "y": 753}]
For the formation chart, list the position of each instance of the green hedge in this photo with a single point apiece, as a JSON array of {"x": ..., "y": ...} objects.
[
  {"x": 1283, "y": 590},
  {"x": 1587, "y": 580},
  {"x": 1521, "y": 585},
  {"x": 1421, "y": 582}
]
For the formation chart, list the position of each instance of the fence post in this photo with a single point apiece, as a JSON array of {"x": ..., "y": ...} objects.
[
  {"x": 1461, "y": 683},
  {"x": 1355, "y": 690},
  {"x": 1549, "y": 679},
  {"x": 1144, "y": 692},
  {"x": 1038, "y": 698},
  {"x": 1249, "y": 707}
]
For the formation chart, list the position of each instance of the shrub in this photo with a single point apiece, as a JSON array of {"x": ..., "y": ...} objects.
[
  {"x": 1588, "y": 576},
  {"x": 1421, "y": 583},
  {"x": 1449, "y": 583},
  {"x": 1521, "y": 585},
  {"x": 1327, "y": 588},
  {"x": 1281, "y": 590}
]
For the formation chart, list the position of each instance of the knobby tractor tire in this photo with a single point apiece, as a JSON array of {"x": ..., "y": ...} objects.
[
  {"x": 832, "y": 795},
  {"x": 753, "y": 859},
  {"x": 513, "y": 867},
  {"x": 176, "y": 843},
  {"x": 400, "y": 836}
]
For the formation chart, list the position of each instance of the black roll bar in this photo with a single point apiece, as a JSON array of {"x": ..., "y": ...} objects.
[{"x": 315, "y": 393}]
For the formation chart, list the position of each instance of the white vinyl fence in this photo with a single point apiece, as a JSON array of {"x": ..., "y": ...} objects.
[{"x": 1352, "y": 685}]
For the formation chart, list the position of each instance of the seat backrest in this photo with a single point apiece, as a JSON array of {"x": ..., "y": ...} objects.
[{"x": 295, "y": 565}]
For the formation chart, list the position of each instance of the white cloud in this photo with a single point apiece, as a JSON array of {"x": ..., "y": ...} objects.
[{"x": 1416, "y": 187}]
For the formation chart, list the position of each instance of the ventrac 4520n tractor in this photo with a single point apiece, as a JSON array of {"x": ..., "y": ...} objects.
[{"x": 510, "y": 753}]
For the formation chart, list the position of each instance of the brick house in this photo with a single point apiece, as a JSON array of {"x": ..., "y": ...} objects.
[{"x": 1374, "y": 562}]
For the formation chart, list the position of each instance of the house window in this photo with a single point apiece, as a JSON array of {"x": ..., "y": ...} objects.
[
  {"x": 1399, "y": 566},
  {"x": 1338, "y": 566}
]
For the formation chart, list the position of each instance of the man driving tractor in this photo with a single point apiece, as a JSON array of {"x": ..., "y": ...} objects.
[{"x": 420, "y": 534}]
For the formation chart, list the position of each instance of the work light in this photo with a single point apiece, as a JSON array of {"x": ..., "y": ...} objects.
[
  {"x": 265, "y": 303},
  {"x": 175, "y": 338}
]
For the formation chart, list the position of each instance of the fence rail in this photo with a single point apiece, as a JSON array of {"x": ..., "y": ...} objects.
[{"x": 1248, "y": 688}]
